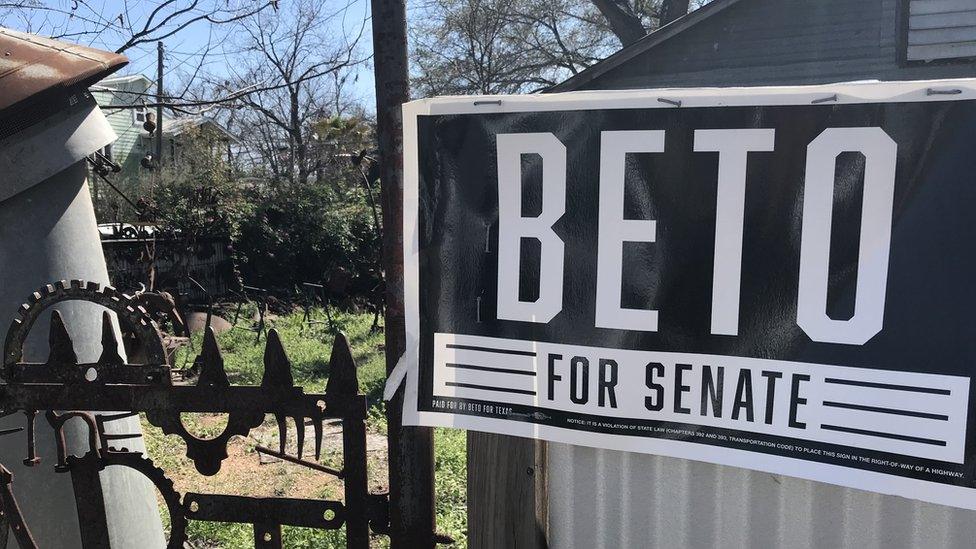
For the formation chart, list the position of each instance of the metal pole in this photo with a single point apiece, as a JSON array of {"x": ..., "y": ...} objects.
[
  {"x": 159, "y": 103},
  {"x": 411, "y": 449},
  {"x": 50, "y": 234}
]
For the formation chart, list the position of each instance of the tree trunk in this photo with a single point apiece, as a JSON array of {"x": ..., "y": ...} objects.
[
  {"x": 299, "y": 150},
  {"x": 673, "y": 9},
  {"x": 623, "y": 21}
]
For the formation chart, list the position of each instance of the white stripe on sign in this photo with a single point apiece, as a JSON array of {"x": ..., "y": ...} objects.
[{"x": 914, "y": 414}]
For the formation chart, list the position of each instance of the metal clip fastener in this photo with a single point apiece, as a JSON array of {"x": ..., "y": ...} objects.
[
  {"x": 824, "y": 99},
  {"x": 933, "y": 91}
]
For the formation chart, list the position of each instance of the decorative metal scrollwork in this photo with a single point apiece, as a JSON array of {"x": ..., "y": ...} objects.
[{"x": 112, "y": 389}]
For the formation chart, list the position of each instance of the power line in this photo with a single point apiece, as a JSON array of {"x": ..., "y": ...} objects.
[
  {"x": 97, "y": 164},
  {"x": 244, "y": 92}
]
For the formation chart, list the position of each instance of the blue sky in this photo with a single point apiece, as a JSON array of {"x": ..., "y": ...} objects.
[{"x": 184, "y": 49}]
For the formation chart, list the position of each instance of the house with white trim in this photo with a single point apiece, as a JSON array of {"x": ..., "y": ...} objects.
[{"x": 127, "y": 102}]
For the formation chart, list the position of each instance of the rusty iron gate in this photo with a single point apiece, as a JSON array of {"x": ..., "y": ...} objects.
[{"x": 112, "y": 389}]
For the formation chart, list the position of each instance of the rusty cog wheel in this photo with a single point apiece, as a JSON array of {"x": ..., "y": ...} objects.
[
  {"x": 132, "y": 316},
  {"x": 174, "y": 505}
]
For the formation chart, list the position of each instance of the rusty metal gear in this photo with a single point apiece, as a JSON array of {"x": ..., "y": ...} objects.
[
  {"x": 121, "y": 390},
  {"x": 172, "y": 498},
  {"x": 134, "y": 318},
  {"x": 11, "y": 518}
]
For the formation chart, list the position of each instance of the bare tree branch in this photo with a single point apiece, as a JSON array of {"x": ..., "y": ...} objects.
[
  {"x": 80, "y": 19},
  {"x": 288, "y": 58},
  {"x": 166, "y": 27},
  {"x": 623, "y": 20},
  {"x": 505, "y": 46}
]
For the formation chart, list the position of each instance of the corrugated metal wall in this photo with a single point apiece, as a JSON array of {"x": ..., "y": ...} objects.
[
  {"x": 607, "y": 499},
  {"x": 941, "y": 29}
]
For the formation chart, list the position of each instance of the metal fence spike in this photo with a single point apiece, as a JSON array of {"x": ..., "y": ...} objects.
[
  {"x": 300, "y": 427},
  {"x": 105, "y": 418},
  {"x": 317, "y": 425},
  {"x": 277, "y": 369},
  {"x": 282, "y": 432},
  {"x": 210, "y": 363},
  {"x": 32, "y": 458},
  {"x": 62, "y": 348},
  {"x": 110, "y": 344},
  {"x": 342, "y": 369},
  {"x": 122, "y": 436}
]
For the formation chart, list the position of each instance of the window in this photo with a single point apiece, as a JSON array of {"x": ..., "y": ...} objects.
[
  {"x": 139, "y": 115},
  {"x": 106, "y": 151},
  {"x": 940, "y": 30}
]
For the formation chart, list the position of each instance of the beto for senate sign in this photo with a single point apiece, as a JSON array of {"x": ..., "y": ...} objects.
[{"x": 772, "y": 278}]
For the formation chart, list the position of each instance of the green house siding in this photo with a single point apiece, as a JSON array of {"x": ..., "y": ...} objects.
[
  {"x": 129, "y": 147},
  {"x": 133, "y": 141}
]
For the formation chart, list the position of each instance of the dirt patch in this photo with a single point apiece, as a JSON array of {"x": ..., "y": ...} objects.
[{"x": 246, "y": 472}]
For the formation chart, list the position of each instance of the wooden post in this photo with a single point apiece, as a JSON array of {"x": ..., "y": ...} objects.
[
  {"x": 507, "y": 500},
  {"x": 411, "y": 449}
]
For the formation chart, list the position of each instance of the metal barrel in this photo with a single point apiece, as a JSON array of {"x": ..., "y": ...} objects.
[
  {"x": 48, "y": 125},
  {"x": 48, "y": 233}
]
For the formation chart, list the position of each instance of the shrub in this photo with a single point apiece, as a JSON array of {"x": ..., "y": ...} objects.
[
  {"x": 310, "y": 233},
  {"x": 282, "y": 232}
]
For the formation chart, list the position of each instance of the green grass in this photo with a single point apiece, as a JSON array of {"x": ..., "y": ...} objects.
[
  {"x": 450, "y": 478},
  {"x": 309, "y": 349}
]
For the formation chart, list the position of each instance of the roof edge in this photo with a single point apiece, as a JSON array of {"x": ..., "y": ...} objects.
[
  {"x": 197, "y": 121},
  {"x": 35, "y": 64},
  {"x": 649, "y": 41},
  {"x": 119, "y": 78}
]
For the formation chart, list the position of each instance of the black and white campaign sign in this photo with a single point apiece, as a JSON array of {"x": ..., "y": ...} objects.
[{"x": 782, "y": 279}]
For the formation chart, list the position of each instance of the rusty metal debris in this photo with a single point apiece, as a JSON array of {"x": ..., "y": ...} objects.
[
  {"x": 312, "y": 295},
  {"x": 161, "y": 307},
  {"x": 35, "y": 65},
  {"x": 10, "y": 515},
  {"x": 41, "y": 77},
  {"x": 113, "y": 388}
]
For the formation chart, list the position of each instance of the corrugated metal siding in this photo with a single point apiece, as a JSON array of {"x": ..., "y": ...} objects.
[
  {"x": 775, "y": 42},
  {"x": 941, "y": 29},
  {"x": 604, "y": 499}
]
